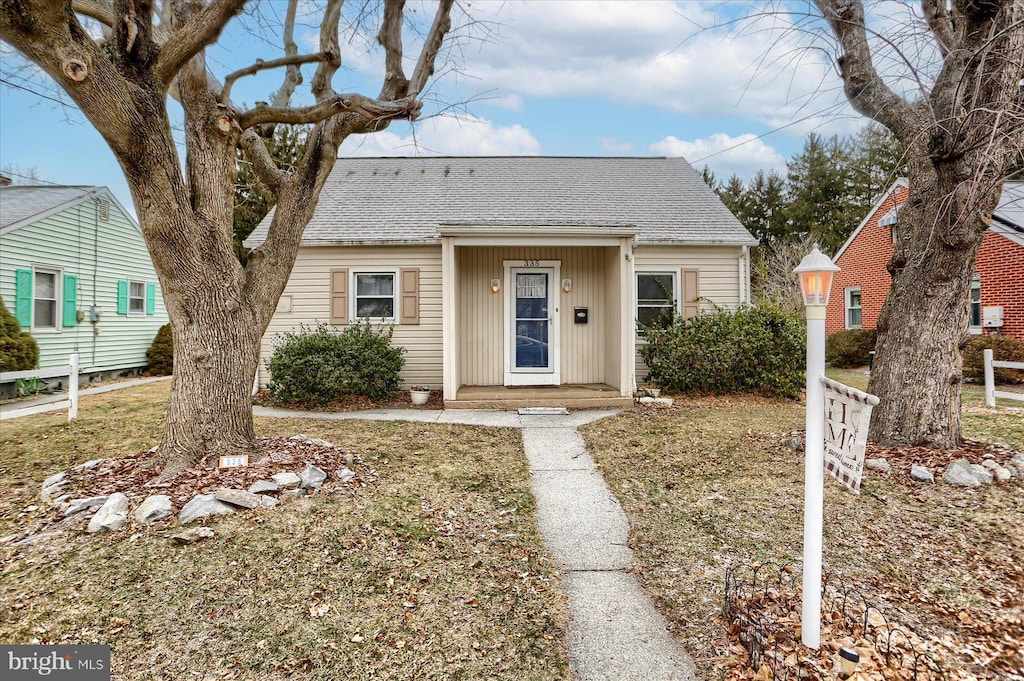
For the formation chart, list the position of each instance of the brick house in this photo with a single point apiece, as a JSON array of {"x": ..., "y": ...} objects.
[{"x": 859, "y": 290}]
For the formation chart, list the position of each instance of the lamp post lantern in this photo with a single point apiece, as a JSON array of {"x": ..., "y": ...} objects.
[{"x": 815, "y": 272}]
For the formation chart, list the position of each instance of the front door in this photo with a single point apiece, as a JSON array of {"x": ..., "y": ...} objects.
[{"x": 531, "y": 317}]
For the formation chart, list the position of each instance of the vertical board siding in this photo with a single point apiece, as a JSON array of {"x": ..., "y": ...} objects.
[
  {"x": 481, "y": 335},
  {"x": 308, "y": 296},
  {"x": 717, "y": 271},
  {"x": 74, "y": 241}
]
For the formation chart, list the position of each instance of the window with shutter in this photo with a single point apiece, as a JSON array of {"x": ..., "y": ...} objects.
[
  {"x": 410, "y": 282},
  {"x": 339, "y": 296}
]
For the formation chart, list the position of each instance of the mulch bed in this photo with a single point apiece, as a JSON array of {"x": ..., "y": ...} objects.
[
  {"x": 137, "y": 476},
  {"x": 903, "y": 458}
]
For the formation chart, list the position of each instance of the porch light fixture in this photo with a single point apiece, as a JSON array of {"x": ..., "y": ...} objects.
[
  {"x": 567, "y": 285},
  {"x": 815, "y": 272},
  {"x": 495, "y": 285}
]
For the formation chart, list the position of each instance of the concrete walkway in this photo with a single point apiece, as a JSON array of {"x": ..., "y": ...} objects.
[
  {"x": 615, "y": 633},
  {"x": 40, "y": 405}
]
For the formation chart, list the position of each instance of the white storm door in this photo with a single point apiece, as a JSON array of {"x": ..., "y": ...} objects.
[{"x": 531, "y": 322}]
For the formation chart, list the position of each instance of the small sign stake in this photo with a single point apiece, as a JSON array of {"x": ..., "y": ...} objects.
[{"x": 233, "y": 461}]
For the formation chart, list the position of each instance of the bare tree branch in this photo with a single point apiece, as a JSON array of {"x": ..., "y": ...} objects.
[
  {"x": 390, "y": 38},
  {"x": 260, "y": 65},
  {"x": 321, "y": 85},
  {"x": 100, "y": 10},
  {"x": 431, "y": 46},
  {"x": 293, "y": 74},
  {"x": 366, "y": 107},
  {"x": 263, "y": 165},
  {"x": 201, "y": 29},
  {"x": 864, "y": 87},
  {"x": 940, "y": 23}
]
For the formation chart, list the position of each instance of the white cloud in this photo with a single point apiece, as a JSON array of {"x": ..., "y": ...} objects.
[
  {"x": 743, "y": 155},
  {"x": 615, "y": 145},
  {"x": 446, "y": 136}
]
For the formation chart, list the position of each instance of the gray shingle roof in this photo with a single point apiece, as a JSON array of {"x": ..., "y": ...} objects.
[
  {"x": 407, "y": 199},
  {"x": 1011, "y": 204},
  {"x": 18, "y": 203}
]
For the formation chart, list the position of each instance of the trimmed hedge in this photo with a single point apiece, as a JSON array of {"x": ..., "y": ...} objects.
[
  {"x": 1004, "y": 349},
  {"x": 316, "y": 366},
  {"x": 753, "y": 349},
  {"x": 18, "y": 350},
  {"x": 160, "y": 355},
  {"x": 850, "y": 348}
]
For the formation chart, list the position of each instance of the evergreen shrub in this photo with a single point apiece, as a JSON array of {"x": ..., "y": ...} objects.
[
  {"x": 1004, "y": 349},
  {"x": 316, "y": 366},
  {"x": 160, "y": 355},
  {"x": 850, "y": 348},
  {"x": 18, "y": 350},
  {"x": 760, "y": 349}
]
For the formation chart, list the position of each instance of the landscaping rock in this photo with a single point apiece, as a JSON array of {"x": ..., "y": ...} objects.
[
  {"x": 267, "y": 502},
  {"x": 312, "y": 477},
  {"x": 88, "y": 464},
  {"x": 668, "y": 401},
  {"x": 921, "y": 474},
  {"x": 154, "y": 508},
  {"x": 293, "y": 493},
  {"x": 990, "y": 464},
  {"x": 312, "y": 440},
  {"x": 201, "y": 506},
  {"x": 881, "y": 465},
  {"x": 960, "y": 474},
  {"x": 1002, "y": 474},
  {"x": 193, "y": 535},
  {"x": 646, "y": 400},
  {"x": 344, "y": 474},
  {"x": 287, "y": 480},
  {"x": 111, "y": 516},
  {"x": 264, "y": 486},
  {"x": 237, "y": 497},
  {"x": 1018, "y": 462},
  {"x": 79, "y": 505},
  {"x": 53, "y": 486},
  {"x": 983, "y": 474},
  {"x": 55, "y": 479}
]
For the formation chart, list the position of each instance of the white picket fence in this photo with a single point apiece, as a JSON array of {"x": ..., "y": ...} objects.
[
  {"x": 70, "y": 370},
  {"x": 990, "y": 383}
]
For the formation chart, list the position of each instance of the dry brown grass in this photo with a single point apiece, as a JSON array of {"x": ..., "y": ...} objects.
[
  {"x": 434, "y": 572},
  {"x": 706, "y": 484}
]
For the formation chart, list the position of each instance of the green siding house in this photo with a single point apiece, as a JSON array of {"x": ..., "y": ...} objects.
[{"x": 75, "y": 271}]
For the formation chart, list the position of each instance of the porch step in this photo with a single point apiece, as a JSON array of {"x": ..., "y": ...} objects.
[{"x": 553, "y": 401}]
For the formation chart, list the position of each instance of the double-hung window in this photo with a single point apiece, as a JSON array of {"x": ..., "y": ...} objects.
[
  {"x": 853, "y": 318},
  {"x": 374, "y": 295},
  {"x": 136, "y": 298},
  {"x": 655, "y": 297},
  {"x": 45, "y": 297},
  {"x": 976, "y": 304}
]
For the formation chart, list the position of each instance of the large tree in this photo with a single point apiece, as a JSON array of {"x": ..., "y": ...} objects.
[
  {"x": 219, "y": 309},
  {"x": 962, "y": 126}
]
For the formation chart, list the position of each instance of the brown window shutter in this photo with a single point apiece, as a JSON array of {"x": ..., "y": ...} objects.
[
  {"x": 410, "y": 282},
  {"x": 339, "y": 296},
  {"x": 691, "y": 293}
]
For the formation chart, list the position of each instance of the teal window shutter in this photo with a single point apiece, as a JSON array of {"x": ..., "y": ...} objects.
[
  {"x": 122, "y": 296},
  {"x": 23, "y": 297},
  {"x": 70, "y": 300},
  {"x": 150, "y": 298}
]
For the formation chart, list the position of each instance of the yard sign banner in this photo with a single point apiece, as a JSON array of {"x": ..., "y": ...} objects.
[{"x": 847, "y": 414}]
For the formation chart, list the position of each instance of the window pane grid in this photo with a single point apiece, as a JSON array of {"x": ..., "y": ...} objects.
[
  {"x": 375, "y": 295},
  {"x": 44, "y": 304}
]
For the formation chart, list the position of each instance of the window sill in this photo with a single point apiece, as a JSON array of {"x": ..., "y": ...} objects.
[
  {"x": 45, "y": 330},
  {"x": 975, "y": 330}
]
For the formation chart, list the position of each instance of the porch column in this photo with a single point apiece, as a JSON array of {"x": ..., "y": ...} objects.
[
  {"x": 449, "y": 318},
  {"x": 627, "y": 318}
]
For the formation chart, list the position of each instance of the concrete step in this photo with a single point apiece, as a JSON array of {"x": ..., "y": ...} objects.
[{"x": 554, "y": 401}]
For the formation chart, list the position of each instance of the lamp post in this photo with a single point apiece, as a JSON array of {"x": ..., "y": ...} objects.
[{"x": 815, "y": 272}]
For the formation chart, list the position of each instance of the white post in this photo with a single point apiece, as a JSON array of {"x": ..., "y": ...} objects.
[
  {"x": 990, "y": 380},
  {"x": 814, "y": 477},
  {"x": 73, "y": 388}
]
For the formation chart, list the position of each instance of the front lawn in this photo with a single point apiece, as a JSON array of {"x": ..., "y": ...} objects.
[
  {"x": 436, "y": 571},
  {"x": 713, "y": 482}
]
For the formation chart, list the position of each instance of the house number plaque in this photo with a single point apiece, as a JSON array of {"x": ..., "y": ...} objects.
[{"x": 531, "y": 263}]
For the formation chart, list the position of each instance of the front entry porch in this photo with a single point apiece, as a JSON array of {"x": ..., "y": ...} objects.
[{"x": 589, "y": 396}]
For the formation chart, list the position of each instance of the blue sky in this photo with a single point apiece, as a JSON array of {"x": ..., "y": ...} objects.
[{"x": 555, "y": 77}]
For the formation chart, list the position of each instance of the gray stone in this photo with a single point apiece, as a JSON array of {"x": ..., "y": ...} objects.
[
  {"x": 646, "y": 400},
  {"x": 983, "y": 474},
  {"x": 1003, "y": 474},
  {"x": 880, "y": 465},
  {"x": 921, "y": 474},
  {"x": 1018, "y": 463},
  {"x": 88, "y": 464},
  {"x": 263, "y": 486},
  {"x": 53, "y": 486},
  {"x": 111, "y": 516},
  {"x": 267, "y": 502},
  {"x": 154, "y": 508},
  {"x": 201, "y": 506},
  {"x": 55, "y": 479},
  {"x": 668, "y": 401},
  {"x": 193, "y": 535},
  {"x": 960, "y": 474},
  {"x": 312, "y": 440},
  {"x": 286, "y": 480},
  {"x": 343, "y": 474},
  {"x": 990, "y": 464},
  {"x": 795, "y": 444},
  {"x": 79, "y": 505},
  {"x": 237, "y": 497},
  {"x": 312, "y": 477},
  {"x": 293, "y": 493}
]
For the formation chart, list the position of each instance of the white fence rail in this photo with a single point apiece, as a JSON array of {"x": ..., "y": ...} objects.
[
  {"x": 990, "y": 382},
  {"x": 70, "y": 370}
]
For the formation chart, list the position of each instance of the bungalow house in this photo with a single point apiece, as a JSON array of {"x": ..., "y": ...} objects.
[
  {"x": 997, "y": 289},
  {"x": 501, "y": 272},
  {"x": 75, "y": 271}
]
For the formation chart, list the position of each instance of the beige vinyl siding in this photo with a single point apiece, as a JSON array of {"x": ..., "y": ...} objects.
[
  {"x": 718, "y": 268},
  {"x": 482, "y": 342},
  {"x": 308, "y": 297},
  {"x": 76, "y": 242}
]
